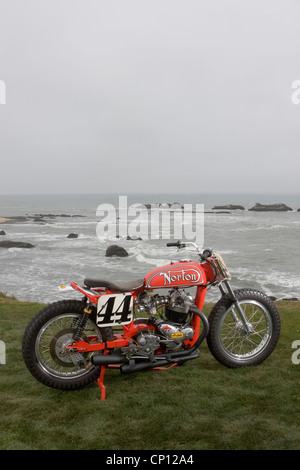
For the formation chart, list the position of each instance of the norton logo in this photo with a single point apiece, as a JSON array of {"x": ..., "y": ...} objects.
[
  {"x": 190, "y": 276},
  {"x": 175, "y": 276}
]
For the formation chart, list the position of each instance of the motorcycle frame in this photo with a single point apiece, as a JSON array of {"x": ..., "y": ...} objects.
[{"x": 130, "y": 330}]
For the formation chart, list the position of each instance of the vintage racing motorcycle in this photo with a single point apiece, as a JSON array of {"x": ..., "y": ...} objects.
[{"x": 150, "y": 323}]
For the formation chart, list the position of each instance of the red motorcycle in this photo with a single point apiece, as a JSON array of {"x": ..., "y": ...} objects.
[{"x": 127, "y": 325}]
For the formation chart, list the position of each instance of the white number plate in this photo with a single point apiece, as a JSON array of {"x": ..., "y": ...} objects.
[{"x": 114, "y": 309}]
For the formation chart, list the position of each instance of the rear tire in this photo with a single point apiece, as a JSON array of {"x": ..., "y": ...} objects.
[
  {"x": 44, "y": 343},
  {"x": 228, "y": 340}
]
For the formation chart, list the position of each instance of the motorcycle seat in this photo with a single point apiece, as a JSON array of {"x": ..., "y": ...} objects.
[{"x": 119, "y": 287}]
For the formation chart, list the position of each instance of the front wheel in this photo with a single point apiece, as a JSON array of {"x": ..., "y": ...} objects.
[
  {"x": 44, "y": 346},
  {"x": 228, "y": 339}
]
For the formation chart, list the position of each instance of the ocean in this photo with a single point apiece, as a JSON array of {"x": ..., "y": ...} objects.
[{"x": 261, "y": 249}]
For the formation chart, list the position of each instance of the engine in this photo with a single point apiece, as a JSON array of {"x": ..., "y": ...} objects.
[
  {"x": 172, "y": 326},
  {"x": 177, "y": 304}
]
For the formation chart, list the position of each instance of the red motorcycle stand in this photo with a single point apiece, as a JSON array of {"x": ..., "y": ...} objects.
[{"x": 100, "y": 379}]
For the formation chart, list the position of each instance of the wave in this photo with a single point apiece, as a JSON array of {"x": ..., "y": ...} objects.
[
  {"x": 152, "y": 261},
  {"x": 17, "y": 249},
  {"x": 272, "y": 282}
]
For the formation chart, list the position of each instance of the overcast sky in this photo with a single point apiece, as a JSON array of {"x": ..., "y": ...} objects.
[{"x": 158, "y": 96}]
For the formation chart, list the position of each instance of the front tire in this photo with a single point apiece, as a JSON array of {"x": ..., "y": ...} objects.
[
  {"x": 228, "y": 340},
  {"x": 44, "y": 343}
]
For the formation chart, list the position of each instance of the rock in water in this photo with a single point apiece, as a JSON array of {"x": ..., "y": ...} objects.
[
  {"x": 116, "y": 250},
  {"x": 12, "y": 244},
  {"x": 72, "y": 235},
  {"x": 230, "y": 207},
  {"x": 270, "y": 207}
]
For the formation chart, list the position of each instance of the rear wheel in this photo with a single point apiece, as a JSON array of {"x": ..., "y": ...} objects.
[
  {"x": 228, "y": 339},
  {"x": 44, "y": 346}
]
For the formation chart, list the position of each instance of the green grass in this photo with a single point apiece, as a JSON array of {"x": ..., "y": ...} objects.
[{"x": 200, "y": 405}]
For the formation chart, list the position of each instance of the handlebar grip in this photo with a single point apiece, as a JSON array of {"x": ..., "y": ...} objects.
[
  {"x": 174, "y": 243},
  {"x": 206, "y": 254}
]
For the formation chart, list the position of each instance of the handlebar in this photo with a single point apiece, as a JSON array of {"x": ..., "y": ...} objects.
[{"x": 206, "y": 253}]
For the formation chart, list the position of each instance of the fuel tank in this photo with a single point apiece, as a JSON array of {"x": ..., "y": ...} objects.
[{"x": 179, "y": 274}]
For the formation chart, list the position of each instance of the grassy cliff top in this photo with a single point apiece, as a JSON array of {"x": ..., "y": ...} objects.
[{"x": 198, "y": 406}]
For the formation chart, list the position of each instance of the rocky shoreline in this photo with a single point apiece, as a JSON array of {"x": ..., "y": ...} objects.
[
  {"x": 115, "y": 251},
  {"x": 35, "y": 218},
  {"x": 39, "y": 218},
  {"x": 218, "y": 209},
  {"x": 258, "y": 207},
  {"x": 281, "y": 207}
]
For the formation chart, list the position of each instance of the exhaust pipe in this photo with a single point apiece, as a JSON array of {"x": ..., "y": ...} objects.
[
  {"x": 106, "y": 359},
  {"x": 137, "y": 367},
  {"x": 169, "y": 358}
]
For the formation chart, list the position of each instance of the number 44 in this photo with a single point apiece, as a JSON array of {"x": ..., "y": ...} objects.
[{"x": 114, "y": 309}]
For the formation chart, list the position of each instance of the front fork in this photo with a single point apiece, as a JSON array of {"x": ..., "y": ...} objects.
[{"x": 246, "y": 324}]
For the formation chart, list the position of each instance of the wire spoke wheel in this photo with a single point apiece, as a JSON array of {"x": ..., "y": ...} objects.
[
  {"x": 45, "y": 344},
  {"x": 236, "y": 341},
  {"x": 51, "y": 342}
]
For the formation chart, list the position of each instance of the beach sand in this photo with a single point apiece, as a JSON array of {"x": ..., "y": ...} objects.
[{"x": 3, "y": 220}]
